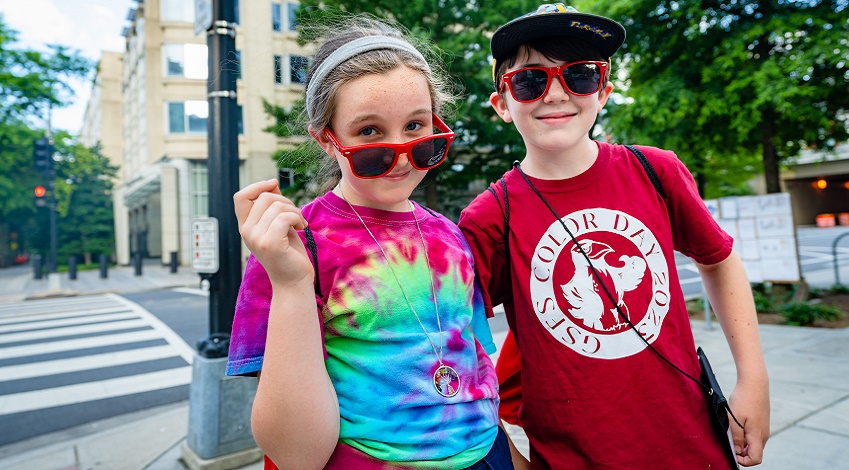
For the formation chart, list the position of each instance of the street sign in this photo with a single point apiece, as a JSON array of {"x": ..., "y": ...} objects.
[
  {"x": 203, "y": 15},
  {"x": 205, "y": 245}
]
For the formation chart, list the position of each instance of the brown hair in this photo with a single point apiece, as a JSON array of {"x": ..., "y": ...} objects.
[{"x": 372, "y": 62}]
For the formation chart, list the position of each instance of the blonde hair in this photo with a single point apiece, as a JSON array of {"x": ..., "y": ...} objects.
[{"x": 324, "y": 93}]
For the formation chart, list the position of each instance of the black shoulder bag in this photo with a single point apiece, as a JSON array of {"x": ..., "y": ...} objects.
[{"x": 718, "y": 408}]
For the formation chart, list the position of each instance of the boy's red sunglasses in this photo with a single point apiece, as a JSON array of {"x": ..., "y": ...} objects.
[
  {"x": 532, "y": 83},
  {"x": 376, "y": 160}
]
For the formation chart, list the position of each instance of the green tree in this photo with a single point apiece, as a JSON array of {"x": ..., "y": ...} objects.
[
  {"x": 84, "y": 192},
  {"x": 485, "y": 146},
  {"x": 31, "y": 82},
  {"x": 726, "y": 84}
]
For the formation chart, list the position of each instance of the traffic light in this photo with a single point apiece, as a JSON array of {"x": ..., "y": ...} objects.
[
  {"x": 39, "y": 196},
  {"x": 43, "y": 156}
]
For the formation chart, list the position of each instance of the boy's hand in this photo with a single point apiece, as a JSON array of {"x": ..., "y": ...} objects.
[
  {"x": 268, "y": 223},
  {"x": 750, "y": 403}
]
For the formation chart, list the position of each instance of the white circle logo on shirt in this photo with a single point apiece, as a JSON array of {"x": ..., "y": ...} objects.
[{"x": 572, "y": 305}]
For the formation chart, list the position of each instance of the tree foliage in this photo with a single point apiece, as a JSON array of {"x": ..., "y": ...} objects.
[
  {"x": 726, "y": 84},
  {"x": 30, "y": 83},
  {"x": 484, "y": 146},
  {"x": 31, "y": 80}
]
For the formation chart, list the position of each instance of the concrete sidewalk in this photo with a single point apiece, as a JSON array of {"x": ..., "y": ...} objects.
[
  {"x": 809, "y": 384},
  {"x": 18, "y": 283}
]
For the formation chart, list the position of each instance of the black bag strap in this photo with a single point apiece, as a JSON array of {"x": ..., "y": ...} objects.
[
  {"x": 314, "y": 252},
  {"x": 505, "y": 235},
  {"x": 655, "y": 181}
]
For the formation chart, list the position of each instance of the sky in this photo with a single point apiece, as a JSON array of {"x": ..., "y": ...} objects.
[{"x": 92, "y": 26}]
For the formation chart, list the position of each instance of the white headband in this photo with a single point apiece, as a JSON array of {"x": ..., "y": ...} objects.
[{"x": 349, "y": 50}]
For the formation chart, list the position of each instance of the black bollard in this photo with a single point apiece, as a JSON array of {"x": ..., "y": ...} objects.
[
  {"x": 137, "y": 263},
  {"x": 104, "y": 266},
  {"x": 37, "y": 266},
  {"x": 72, "y": 267},
  {"x": 173, "y": 262}
]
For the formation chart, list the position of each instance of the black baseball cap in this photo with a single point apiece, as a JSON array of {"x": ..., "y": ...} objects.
[{"x": 552, "y": 20}]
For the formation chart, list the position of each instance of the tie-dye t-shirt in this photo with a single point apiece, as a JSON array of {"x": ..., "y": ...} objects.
[{"x": 377, "y": 355}]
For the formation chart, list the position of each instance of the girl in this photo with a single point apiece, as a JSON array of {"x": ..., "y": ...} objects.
[{"x": 356, "y": 311}]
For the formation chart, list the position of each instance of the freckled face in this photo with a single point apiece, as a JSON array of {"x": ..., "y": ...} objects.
[{"x": 393, "y": 107}]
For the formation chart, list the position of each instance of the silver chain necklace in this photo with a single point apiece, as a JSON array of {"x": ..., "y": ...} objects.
[{"x": 445, "y": 378}]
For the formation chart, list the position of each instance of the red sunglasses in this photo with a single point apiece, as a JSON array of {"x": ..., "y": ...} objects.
[
  {"x": 532, "y": 83},
  {"x": 376, "y": 160}
]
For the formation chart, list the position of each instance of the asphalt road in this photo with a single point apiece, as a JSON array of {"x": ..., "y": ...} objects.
[{"x": 70, "y": 361}]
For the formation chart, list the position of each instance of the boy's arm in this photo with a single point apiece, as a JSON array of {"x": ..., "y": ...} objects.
[{"x": 731, "y": 297}]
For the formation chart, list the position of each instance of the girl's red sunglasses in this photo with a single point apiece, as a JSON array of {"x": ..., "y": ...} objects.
[{"x": 376, "y": 160}]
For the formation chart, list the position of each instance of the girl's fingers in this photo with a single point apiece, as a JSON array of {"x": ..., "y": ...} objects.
[
  {"x": 275, "y": 222},
  {"x": 244, "y": 199},
  {"x": 264, "y": 202}
]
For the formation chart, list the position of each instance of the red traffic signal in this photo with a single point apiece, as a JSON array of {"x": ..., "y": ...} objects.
[{"x": 40, "y": 191}]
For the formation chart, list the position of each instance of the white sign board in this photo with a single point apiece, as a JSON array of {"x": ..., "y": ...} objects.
[
  {"x": 773, "y": 204},
  {"x": 764, "y": 235},
  {"x": 203, "y": 15},
  {"x": 748, "y": 228},
  {"x": 205, "y": 245}
]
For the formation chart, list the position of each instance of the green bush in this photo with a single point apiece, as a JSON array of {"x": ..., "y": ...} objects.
[
  {"x": 804, "y": 314},
  {"x": 763, "y": 301},
  {"x": 839, "y": 289}
]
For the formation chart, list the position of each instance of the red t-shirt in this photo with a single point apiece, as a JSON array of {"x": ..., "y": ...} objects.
[{"x": 594, "y": 396}]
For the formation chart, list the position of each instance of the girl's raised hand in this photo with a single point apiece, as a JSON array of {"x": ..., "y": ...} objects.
[{"x": 268, "y": 223}]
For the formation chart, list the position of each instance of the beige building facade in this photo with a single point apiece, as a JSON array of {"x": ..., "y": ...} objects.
[
  {"x": 162, "y": 127},
  {"x": 103, "y": 125}
]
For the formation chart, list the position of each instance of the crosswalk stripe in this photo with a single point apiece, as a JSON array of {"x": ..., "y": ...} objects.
[
  {"x": 81, "y": 343},
  {"x": 32, "y": 307},
  {"x": 20, "y": 319},
  {"x": 79, "y": 393},
  {"x": 67, "y": 321},
  {"x": 71, "y": 331},
  {"x": 48, "y": 326},
  {"x": 187, "y": 352},
  {"x": 77, "y": 364}
]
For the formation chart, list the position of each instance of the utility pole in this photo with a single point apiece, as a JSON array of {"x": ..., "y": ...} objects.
[
  {"x": 223, "y": 173},
  {"x": 219, "y": 408},
  {"x": 43, "y": 152},
  {"x": 52, "y": 260}
]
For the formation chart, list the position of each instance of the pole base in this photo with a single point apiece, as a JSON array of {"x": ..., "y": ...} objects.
[
  {"x": 219, "y": 410},
  {"x": 193, "y": 461}
]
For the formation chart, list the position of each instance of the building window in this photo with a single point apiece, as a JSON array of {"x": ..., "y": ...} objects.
[
  {"x": 291, "y": 12},
  {"x": 185, "y": 60},
  {"x": 187, "y": 117},
  {"x": 276, "y": 17},
  {"x": 278, "y": 69},
  {"x": 286, "y": 178},
  {"x": 236, "y": 11},
  {"x": 298, "y": 69},
  {"x": 200, "y": 189},
  {"x": 177, "y": 10}
]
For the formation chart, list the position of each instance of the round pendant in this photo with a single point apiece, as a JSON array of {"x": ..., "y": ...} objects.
[{"x": 446, "y": 381}]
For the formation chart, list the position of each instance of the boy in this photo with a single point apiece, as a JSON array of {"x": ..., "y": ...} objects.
[{"x": 594, "y": 394}]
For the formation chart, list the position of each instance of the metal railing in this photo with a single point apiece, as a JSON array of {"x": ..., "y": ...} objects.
[{"x": 834, "y": 257}]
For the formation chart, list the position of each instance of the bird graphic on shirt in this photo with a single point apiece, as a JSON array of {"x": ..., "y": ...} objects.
[{"x": 584, "y": 294}]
